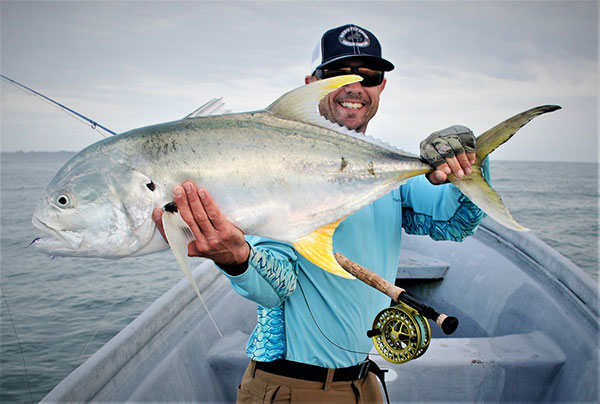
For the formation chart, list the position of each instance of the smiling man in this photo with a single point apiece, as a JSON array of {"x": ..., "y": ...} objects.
[
  {"x": 350, "y": 50},
  {"x": 309, "y": 344}
]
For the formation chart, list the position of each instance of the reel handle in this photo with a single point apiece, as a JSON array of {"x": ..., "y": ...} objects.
[
  {"x": 374, "y": 333},
  {"x": 447, "y": 323}
]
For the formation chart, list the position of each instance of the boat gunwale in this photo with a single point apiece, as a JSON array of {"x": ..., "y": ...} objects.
[
  {"x": 551, "y": 264},
  {"x": 97, "y": 371}
]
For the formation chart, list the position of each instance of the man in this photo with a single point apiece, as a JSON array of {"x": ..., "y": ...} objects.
[{"x": 309, "y": 344}]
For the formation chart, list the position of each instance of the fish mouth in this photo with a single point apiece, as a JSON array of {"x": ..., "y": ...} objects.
[{"x": 56, "y": 238}]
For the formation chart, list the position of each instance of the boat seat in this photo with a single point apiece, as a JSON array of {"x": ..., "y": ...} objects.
[
  {"x": 518, "y": 367},
  {"x": 488, "y": 369},
  {"x": 415, "y": 266}
]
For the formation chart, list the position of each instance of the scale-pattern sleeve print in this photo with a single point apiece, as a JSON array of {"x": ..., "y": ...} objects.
[
  {"x": 462, "y": 220},
  {"x": 268, "y": 340}
]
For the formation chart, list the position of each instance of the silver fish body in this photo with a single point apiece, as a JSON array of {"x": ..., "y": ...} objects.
[
  {"x": 284, "y": 173},
  {"x": 271, "y": 176}
]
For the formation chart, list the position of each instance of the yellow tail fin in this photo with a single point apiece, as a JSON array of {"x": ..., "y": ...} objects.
[
  {"x": 317, "y": 247},
  {"x": 474, "y": 185}
]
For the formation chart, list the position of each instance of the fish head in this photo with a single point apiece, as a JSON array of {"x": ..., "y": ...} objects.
[{"x": 94, "y": 209}]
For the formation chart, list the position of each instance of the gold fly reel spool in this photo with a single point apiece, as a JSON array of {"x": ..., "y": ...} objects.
[{"x": 400, "y": 333}]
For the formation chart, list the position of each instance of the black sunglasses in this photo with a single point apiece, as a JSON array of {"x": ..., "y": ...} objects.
[{"x": 371, "y": 78}]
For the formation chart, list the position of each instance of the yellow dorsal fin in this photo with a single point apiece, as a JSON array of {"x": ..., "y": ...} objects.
[{"x": 317, "y": 247}]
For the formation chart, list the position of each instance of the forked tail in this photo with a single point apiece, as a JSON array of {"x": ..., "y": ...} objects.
[
  {"x": 474, "y": 185},
  {"x": 300, "y": 105},
  {"x": 317, "y": 247}
]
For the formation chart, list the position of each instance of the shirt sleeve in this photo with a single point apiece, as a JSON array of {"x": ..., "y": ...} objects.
[
  {"x": 271, "y": 274},
  {"x": 440, "y": 211}
]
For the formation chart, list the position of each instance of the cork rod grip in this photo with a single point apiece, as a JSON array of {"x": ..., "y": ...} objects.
[
  {"x": 369, "y": 277},
  {"x": 447, "y": 323}
]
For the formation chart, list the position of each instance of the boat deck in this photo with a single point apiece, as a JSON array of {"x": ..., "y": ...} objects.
[{"x": 528, "y": 332}]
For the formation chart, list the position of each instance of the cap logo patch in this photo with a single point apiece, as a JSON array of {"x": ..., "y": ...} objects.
[{"x": 354, "y": 36}]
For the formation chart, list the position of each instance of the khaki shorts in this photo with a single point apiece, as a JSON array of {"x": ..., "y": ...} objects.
[{"x": 263, "y": 387}]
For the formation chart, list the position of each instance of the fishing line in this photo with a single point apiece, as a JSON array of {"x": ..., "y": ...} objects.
[
  {"x": 95, "y": 126},
  {"x": 18, "y": 342},
  {"x": 97, "y": 329},
  {"x": 72, "y": 113},
  {"x": 321, "y": 331}
]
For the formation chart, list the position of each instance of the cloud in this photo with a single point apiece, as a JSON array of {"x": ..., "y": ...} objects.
[
  {"x": 470, "y": 62},
  {"x": 432, "y": 100}
]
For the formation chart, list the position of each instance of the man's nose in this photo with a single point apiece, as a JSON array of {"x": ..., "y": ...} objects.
[{"x": 354, "y": 88}]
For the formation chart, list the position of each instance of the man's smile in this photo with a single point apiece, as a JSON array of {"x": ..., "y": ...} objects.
[{"x": 351, "y": 105}]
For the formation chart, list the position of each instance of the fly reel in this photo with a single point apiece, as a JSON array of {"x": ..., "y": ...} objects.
[{"x": 400, "y": 333}]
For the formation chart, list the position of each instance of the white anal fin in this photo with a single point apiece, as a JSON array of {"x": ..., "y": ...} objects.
[
  {"x": 317, "y": 247},
  {"x": 179, "y": 235}
]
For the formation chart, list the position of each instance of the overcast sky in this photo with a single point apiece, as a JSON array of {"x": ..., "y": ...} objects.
[{"x": 131, "y": 64}]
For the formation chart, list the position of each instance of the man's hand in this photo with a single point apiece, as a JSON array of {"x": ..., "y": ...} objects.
[
  {"x": 450, "y": 150},
  {"x": 216, "y": 237}
]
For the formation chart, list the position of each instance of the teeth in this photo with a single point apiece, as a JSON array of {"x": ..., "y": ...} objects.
[{"x": 351, "y": 105}]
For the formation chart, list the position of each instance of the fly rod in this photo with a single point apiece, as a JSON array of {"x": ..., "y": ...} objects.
[{"x": 447, "y": 323}]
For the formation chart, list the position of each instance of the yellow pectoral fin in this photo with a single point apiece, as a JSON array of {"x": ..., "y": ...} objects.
[{"x": 317, "y": 247}]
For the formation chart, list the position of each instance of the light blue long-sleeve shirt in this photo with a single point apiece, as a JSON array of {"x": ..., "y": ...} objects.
[{"x": 306, "y": 314}]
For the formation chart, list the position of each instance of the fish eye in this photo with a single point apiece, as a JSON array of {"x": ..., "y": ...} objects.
[{"x": 63, "y": 201}]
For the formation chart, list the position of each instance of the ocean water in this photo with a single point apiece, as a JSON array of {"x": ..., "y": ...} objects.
[{"x": 65, "y": 309}]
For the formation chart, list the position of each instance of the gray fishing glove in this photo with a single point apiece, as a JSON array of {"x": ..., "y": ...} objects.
[{"x": 447, "y": 143}]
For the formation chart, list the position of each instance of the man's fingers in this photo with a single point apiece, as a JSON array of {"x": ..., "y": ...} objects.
[
  {"x": 458, "y": 165},
  {"x": 468, "y": 140},
  {"x": 437, "y": 177},
  {"x": 464, "y": 162},
  {"x": 212, "y": 210},
  {"x": 431, "y": 155},
  {"x": 194, "y": 214},
  {"x": 451, "y": 150},
  {"x": 181, "y": 200},
  {"x": 199, "y": 211},
  {"x": 444, "y": 168},
  {"x": 455, "y": 167},
  {"x": 455, "y": 145}
]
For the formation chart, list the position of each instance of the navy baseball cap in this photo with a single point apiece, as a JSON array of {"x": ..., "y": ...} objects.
[{"x": 349, "y": 41}]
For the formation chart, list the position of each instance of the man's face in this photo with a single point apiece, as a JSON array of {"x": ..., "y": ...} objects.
[{"x": 353, "y": 105}]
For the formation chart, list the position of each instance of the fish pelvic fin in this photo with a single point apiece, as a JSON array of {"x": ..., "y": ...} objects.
[
  {"x": 317, "y": 247},
  {"x": 475, "y": 187},
  {"x": 179, "y": 235},
  {"x": 301, "y": 104}
]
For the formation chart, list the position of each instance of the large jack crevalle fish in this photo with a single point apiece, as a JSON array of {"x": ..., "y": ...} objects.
[{"x": 284, "y": 172}]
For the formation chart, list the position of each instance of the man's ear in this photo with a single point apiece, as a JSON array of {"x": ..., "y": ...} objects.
[{"x": 309, "y": 79}]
